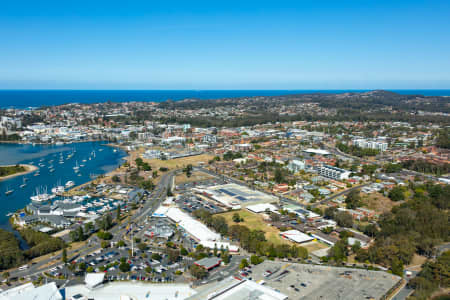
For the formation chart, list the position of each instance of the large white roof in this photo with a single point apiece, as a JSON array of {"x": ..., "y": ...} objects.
[
  {"x": 133, "y": 290},
  {"x": 29, "y": 292},
  {"x": 317, "y": 151},
  {"x": 94, "y": 279},
  {"x": 296, "y": 236},
  {"x": 262, "y": 207},
  {"x": 192, "y": 226}
]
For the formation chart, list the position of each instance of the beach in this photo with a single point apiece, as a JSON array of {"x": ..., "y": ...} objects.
[{"x": 29, "y": 169}]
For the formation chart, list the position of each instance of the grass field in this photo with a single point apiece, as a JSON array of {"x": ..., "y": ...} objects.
[
  {"x": 256, "y": 222},
  {"x": 313, "y": 246},
  {"x": 179, "y": 162},
  {"x": 272, "y": 234},
  {"x": 196, "y": 176}
]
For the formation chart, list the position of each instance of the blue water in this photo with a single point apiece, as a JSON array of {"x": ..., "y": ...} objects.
[
  {"x": 37, "y": 98},
  {"x": 104, "y": 161}
]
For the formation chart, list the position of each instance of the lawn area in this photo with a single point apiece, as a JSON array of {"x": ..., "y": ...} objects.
[
  {"x": 313, "y": 246},
  {"x": 256, "y": 222},
  {"x": 179, "y": 162},
  {"x": 196, "y": 176}
]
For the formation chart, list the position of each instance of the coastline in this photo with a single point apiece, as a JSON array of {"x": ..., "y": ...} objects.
[
  {"x": 29, "y": 169},
  {"x": 21, "y": 142},
  {"x": 109, "y": 174},
  {"x": 32, "y": 168}
]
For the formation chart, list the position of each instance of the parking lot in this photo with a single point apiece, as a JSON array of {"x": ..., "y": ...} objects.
[{"x": 324, "y": 282}]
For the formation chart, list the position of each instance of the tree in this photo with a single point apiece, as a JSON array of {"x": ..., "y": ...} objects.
[
  {"x": 219, "y": 224},
  {"x": 77, "y": 235},
  {"x": 344, "y": 219},
  {"x": 115, "y": 178},
  {"x": 279, "y": 176},
  {"x": 147, "y": 185},
  {"x": 397, "y": 194},
  {"x": 90, "y": 269},
  {"x": 237, "y": 218},
  {"x": 118, "y": 213},
  {"x": 156, "y": 256},
  {"x": 392, "y": 168},
  {"x": 120, "y": 244},
  {"x": 353, "y": 199},
  {"x": 255, "y": 260},
  {"x": 104, "y": 244},
  {"x": 397, "y": 267},
  {"x": 339, "y": 251},
  {"x": 64, "y": 256},
  {"x": 198, "y": 272},
  {"x": 105, "y": 223},
  {"x": 183, "y": 251},
  {"x": 88, "y": 227},
  {"x": 188, "y": 170},
  {"x": 443, "y": 139},
  {"x": 356, "y": 246},
  {"x": 82, "y": 266},
  {"x": 138, "y": 161},
  {"x": 225, "y": 257},
  {"x": 330, "y": 212},
  {"x": 124, "y": 267},
  {"x": 104, "y": 235},
  {"x": 243, "y": 264}
]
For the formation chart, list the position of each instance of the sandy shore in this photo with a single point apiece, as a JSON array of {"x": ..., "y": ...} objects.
[{"x": 29, "y": 169}]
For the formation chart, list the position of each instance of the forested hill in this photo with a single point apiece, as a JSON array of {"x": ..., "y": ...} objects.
[{"x": 371, "y": 100}]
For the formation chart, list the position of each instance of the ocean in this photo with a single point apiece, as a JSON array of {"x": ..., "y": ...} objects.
[
  {"x": 37, "y": 98},
  {"x": 105, "y": 160}
]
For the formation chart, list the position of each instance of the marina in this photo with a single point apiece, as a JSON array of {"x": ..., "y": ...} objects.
[{"x": 53, "y": 175}]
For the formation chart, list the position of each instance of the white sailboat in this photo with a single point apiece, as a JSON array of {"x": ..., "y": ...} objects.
[
  {"x": 8, "y": 191},
  {"x": 23, "y": 183},
  {"x": 70, "y": 184}
]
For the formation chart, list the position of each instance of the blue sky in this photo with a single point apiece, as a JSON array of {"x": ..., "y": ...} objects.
[{"x": 224, "y": 44}]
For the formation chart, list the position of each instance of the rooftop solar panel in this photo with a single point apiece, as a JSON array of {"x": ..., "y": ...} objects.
[{"x": 227, "y": 192}]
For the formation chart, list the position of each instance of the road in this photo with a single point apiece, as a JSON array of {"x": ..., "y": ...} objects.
[
  {"x": 93, "y": 244},
  {"x": 339, "y": 194}
]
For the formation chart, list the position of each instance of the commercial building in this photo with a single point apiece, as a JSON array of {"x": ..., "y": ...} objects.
[
  {"x": 296, "y": 236},
  {"x": 235, "y": 195},
  {"x": 307, "y": 281},
  {"x": 370, "y": 144},
  {"x": 317, "y": 151},
  {"x": 235, "y": 288},
  {"x": 28, "y": 291},
  {"x": 208, "y": 263},
  {"x": 130, "y": 290},
  {"x": 333, "y": 172},
  {"x": 93, "y": 280},
  {"x": 262, "y": 207},
  {"x": 296, "y": 165},
  {"x": 200, "y": 232}
]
